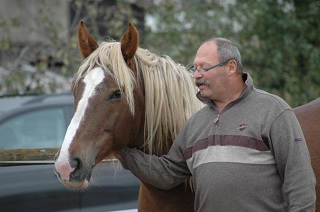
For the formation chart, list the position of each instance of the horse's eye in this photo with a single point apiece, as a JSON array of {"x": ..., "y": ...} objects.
[{"x": 115, "y": 95}]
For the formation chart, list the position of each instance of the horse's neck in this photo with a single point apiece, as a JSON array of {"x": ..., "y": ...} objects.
[{"x": 179, "y": 198}]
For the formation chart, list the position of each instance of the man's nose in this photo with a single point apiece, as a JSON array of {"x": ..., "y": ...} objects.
[{"x": 197, "y": 74}]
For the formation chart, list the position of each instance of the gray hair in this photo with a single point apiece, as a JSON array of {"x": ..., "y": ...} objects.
[{"x": 226, "y": 51}]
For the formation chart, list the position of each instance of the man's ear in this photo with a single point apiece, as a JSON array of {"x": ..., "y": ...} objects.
[{"x": 232, "y": 67}]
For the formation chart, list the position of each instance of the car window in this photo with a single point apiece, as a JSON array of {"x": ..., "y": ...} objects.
[{"x": 36, "y": 129}]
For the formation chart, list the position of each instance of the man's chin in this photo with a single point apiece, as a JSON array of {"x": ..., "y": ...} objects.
[{"x": 204, "y": 93}]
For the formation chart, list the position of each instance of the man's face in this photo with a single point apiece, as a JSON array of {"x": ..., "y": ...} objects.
[{"x": 212, "y": 83}]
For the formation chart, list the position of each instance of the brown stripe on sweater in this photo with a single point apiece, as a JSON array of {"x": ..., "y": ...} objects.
[{"x": 226, "y": 140}]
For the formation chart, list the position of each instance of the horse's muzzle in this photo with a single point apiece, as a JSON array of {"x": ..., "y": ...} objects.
[{"x": 73, "y": 173}]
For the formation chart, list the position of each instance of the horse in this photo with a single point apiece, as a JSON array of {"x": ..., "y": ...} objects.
[
  {"x": 309, "y": 119},
  {"x": 126, "y": 96}
]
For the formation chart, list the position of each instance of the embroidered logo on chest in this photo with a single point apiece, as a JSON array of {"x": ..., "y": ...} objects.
[{"x": 242, "y": 127}]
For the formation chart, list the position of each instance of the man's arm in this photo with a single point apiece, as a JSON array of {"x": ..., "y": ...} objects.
[
  {"x": 164, "y": 172},
  {"x": 293, "y": 162}
]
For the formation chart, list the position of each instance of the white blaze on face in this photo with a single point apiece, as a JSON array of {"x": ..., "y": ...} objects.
[{"x": 91, "y": 80}]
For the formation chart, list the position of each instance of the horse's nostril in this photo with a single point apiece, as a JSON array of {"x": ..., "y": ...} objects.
[{"x": 75, "y": 163}]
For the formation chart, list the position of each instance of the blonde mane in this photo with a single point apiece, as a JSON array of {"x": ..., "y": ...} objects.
[{"x": 169, "y": 90}]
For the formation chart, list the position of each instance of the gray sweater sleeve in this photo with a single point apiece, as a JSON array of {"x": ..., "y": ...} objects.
[
  {"x": 164, "y": 172},
  {"x": 293, "y": 162}
]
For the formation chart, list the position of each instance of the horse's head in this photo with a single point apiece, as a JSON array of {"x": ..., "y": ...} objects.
[{"x": 108, "y": 106}]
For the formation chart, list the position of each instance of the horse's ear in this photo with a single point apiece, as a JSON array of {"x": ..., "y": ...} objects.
[
  {"x": 129, "y": 43},
  {"x": 86, "y": 42}
]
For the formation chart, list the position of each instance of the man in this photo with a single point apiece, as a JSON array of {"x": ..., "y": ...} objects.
[{"x": 245, "y": 148}]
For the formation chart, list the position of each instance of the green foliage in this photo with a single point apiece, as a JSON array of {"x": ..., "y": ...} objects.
[
  {"x": 181, "y": 26},
  {"x": 285, "y": 55},
  {"x": 279, "y": 39}
]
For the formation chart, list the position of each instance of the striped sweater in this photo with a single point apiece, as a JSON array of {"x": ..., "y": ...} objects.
[{"x": 252, "y": 156}]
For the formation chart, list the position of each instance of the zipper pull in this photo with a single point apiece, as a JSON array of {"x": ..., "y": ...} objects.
[{"x": 216, "y": 120}]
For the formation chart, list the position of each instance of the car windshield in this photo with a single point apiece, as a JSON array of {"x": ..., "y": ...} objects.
[{"x": 36, "y": 129}]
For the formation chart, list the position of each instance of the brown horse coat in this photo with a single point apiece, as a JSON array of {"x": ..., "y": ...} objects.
[{"x": 309, "y": 118}]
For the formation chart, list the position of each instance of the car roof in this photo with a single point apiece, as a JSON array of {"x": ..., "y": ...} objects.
[{"x": 14, "y": 104}]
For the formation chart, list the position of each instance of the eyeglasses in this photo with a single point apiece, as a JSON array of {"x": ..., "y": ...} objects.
[{"x": 192, "y": 69}]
